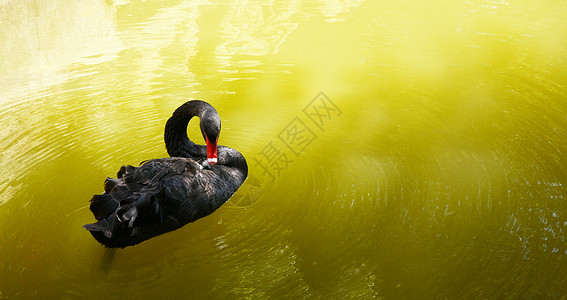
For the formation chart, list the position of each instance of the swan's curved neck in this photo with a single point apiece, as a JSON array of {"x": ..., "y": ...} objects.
[
  {"x": 179, "y": 145},
  {"x": 176, "y": 141}
]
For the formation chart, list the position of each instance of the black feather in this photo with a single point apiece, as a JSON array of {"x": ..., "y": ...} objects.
[
  {"x": 109, "y": 184},
  {"x": 103, "y": 205}
]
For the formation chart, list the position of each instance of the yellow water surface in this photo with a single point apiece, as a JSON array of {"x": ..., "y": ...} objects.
[{"x": 397, "y": 149}]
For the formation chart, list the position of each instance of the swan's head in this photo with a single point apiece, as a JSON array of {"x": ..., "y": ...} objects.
[{"x": 210, "y": 128}]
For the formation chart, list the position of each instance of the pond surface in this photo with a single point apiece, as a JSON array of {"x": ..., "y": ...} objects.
[{"x": 397, "y": 149}]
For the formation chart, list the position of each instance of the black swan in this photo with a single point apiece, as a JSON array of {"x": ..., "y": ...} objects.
[{"x": 164, "y": 194}]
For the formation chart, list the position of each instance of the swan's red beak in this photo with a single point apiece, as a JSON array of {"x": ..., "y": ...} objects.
[{"x": 211, "y": 152}]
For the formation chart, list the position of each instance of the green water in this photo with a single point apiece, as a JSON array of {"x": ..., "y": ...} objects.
[{"x": 397, "y": 149}]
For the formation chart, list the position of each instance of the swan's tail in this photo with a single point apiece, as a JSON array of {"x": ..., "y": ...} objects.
[
  {"x": 121, "y": 227},
  {"x": 103, "y": 206},
  {"x": 121, "y": 208}
]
